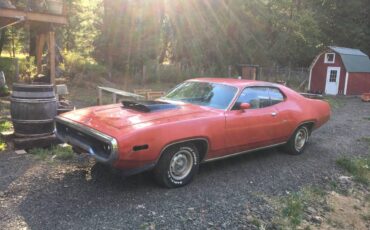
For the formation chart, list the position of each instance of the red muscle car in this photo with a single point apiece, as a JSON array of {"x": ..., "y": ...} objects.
[{"x": 200, "y": 120}]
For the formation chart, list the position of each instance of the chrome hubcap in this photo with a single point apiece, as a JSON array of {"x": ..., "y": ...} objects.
[
  {"x": 181, "y": 164},
  {"x": 301, "y": 138}
]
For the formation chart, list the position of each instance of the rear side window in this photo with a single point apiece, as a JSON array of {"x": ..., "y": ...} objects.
[
  {"x": 275, "y": 96},
  {"x": 259, "y": 97}
]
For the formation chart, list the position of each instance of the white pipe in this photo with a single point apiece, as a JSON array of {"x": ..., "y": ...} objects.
[{"x": 20, "y": 19}]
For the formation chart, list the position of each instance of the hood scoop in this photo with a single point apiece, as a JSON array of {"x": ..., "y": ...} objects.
[{"x": 148, "y": 106}]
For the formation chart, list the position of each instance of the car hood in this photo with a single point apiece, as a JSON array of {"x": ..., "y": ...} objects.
[{"x": 118, "y": 117}]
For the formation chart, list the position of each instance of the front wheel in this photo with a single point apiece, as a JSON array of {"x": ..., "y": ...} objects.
[
  {"x": 298, "y": 141},
  {"x": 177, "y": 165}
]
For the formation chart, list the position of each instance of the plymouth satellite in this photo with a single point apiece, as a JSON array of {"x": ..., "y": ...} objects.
[{"x": 200, "y": 120}]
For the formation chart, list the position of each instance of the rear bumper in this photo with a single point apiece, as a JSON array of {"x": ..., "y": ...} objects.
[{"x": 100, "y": 146}]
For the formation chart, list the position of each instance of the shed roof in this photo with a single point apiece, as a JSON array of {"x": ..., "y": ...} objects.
[{"x": 353, "y": 59}]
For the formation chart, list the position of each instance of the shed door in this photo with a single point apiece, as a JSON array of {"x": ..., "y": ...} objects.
[{"x": 332, "y": 80}]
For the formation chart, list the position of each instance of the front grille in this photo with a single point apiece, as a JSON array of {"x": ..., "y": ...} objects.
[{"x": 86, "y": 141}]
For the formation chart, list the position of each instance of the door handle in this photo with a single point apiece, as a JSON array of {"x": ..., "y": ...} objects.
[{"x": 273, "y": 114}]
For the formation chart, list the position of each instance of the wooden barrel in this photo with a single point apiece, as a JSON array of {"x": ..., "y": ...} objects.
[
  {"x": 33, "y": 91},
  {"x": 33, "y": 108}
]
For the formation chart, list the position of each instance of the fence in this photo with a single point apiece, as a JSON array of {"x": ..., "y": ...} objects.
[
  {"x": 296, "y": 78},
  {"x": 173, "y": 73}
]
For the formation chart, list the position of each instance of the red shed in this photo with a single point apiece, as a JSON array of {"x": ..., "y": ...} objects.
[{"x": 340, "y": 71}]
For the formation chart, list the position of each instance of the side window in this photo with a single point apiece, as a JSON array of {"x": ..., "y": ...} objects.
[
  {"x": 276, "y": 96},
  {"x": 257, "y": 97}
]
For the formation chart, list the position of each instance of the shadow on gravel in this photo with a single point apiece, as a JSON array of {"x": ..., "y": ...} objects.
[
  {"x": 11, "y": 162},
  {"x": 80, "y": 196}
]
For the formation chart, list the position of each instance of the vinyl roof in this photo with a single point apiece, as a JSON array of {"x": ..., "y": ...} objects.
[{"x": 353, "y": 59}]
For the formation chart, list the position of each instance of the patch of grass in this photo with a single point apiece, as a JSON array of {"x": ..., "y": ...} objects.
[
  {"x": 147, "y": 226},
  {"x": 355, "y": 207},
  {"x": 63, "y": 153},
  {"x": 333, "y": 185},
  {"x": 335, "y": 224},
  {"x": 2, "y": 145},
  {"x": 4, "y": 109},
  {"x": 366, "y": 140},
  {"x": 367, "y": 118},
  {"x": 335, "y": 102},
  {"x": 256, "y": 222},
  {"x": 293, "y": 207},
  {"x": 58, "y": 152},
  {"x": 5, "y": 126},
  {"x": 367, "y": 198},
  {"x": 358, "y": 167},
  {"x": 365, "y": 217},
  {"x": 40, "y": 154}
]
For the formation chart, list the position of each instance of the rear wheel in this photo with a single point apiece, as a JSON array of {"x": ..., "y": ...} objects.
[
  {"x": 298, "y": 141},
  {"x": 177, "y": 166}
]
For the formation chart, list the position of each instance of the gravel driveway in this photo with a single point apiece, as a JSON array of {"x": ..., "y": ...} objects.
[{"x": 72, "y": 195}]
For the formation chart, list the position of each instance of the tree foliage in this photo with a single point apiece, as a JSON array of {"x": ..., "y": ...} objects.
[
  {"x": 127, "y": 34},
  {"x": 81, "y": 31},
  {"x": 222, "y": 32}
]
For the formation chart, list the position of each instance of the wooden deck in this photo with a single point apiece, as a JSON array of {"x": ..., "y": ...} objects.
[
  {"x": 8, "y": 16},
  {"x": 42, "y": 23}
]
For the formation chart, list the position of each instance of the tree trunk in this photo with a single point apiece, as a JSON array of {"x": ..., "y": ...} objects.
[
  {"x": 13, "y": 44},
  {"x": 2, "y": 40}
]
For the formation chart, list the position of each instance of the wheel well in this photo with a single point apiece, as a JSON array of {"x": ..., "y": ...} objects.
[
  {"x": 200, "y": 144},
  {"x": 309, "y": 125}
]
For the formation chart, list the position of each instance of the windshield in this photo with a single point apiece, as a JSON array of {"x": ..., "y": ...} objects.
[{"x": 214, "y": 95}]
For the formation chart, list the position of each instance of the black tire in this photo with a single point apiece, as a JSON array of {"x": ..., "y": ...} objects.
[
  {"x": 165, "y": 174},
  {"x": 294, "y": 146}
]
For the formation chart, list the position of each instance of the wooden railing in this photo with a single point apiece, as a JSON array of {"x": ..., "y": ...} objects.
[{"x": 54, "y": 7}]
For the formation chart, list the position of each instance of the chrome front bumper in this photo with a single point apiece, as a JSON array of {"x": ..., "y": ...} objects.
[{"x": 100, "y": 146}]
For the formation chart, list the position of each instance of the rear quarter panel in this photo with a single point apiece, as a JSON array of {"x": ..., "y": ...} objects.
[{"x": 299, "y": 110}]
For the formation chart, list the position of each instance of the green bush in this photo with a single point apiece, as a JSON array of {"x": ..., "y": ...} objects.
[
  {"x": 5, "y": 126},
  {"x": 75, "y": 63},
  {"x": 26, "y": 65},
  {"x": 8, "y": 67},
  {"x": 4, "y": 91}
]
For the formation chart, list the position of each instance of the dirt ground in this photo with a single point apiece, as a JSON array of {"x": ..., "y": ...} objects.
[{"x": 77, "y": 194}]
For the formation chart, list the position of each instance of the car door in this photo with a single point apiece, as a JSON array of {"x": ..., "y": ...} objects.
[{"x": 255, "y": 127}]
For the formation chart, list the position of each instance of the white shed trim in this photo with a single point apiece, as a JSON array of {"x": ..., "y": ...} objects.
[{"x": 346, "y": 84}]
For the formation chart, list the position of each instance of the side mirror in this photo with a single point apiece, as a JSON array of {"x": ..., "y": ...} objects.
[{"x": 244, "y": 106}]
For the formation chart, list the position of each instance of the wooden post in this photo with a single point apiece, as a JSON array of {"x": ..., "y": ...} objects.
[
  {"x": 100, "y": 96},
  {"x": 114, "y": 97},
  {"x": 144, "y": 74},
  {"x": 260, "y": 75},
  {"x": 157, "y": 73},
  {"x": 40, "y": 43},
  {"x": 52, "y": 56}
]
